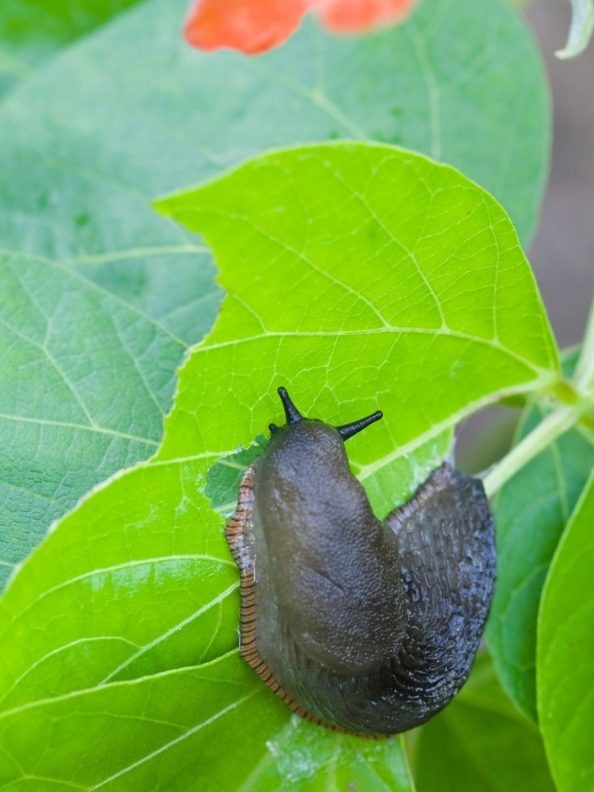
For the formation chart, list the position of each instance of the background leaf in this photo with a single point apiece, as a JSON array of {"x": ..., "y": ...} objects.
[
  {"x": 102, "y": 143},
  {"x": 564, "y": 653},
  {"x": 528, "y": 531},
  {"x": 481, "y": 742},
  {"x": 84, "y": 148},
  {"x": 32, "y": 30}
]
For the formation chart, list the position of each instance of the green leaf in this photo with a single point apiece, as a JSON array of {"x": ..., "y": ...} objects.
[
  {"x": 565, "y": 665},
  {"x": 84, "y": 147},
  {"x": 106, "y": 139},
  {"x": 310, "y": 759},
  {"x": 580, "y": 30},
  {"x": 86, "y": 377},
  {"x": 480, "y": 742},
  {"x": 32, "y": 30},
  {"x": 145, "y": 584},
  {"x": 185, "y": 731},
  {"x": 361, "y": 275},
  {"x": 528, "y": 531}
]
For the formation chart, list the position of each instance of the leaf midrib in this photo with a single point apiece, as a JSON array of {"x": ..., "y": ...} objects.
[{"x": 492, "y": 343}]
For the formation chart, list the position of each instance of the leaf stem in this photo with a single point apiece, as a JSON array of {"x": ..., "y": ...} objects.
[
  {"x": 584, "y": 373},
  {"x": 554, "y": 425}
]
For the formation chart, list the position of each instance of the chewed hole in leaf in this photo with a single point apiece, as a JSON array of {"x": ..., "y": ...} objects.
[{"x": 222, "y": 481}]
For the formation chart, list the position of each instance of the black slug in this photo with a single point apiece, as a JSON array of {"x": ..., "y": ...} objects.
[{"x": 365, "y": 626}]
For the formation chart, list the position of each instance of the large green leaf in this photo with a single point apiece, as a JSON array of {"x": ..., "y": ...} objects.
[
  {"x": 531, "y": 511},
  {"x": 565, "y": 662},
  {"x": 480, "y": 742},
  {"x": 31, "y": 30},
  {"x": 132, "y": 112},
  {"x": 133, "y": 597},
  {"x": 158, "y": 113},
  {"x": 363, "y": 275}
]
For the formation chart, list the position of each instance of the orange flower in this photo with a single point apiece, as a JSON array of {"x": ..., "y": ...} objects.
[
  {"x": 254, "y": 26},
  {"x": 251, "y": 26},
  {"x": 352, "y": 16}
]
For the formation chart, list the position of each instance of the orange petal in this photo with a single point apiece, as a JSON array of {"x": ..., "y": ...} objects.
[
  {"x": 251, "y": 26},
  {"x": 351, "y": 16}
]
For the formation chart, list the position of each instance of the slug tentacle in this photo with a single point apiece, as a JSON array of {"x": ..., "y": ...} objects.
[
  {"x": 348, "y": 430},
  {"x": 365, "y": 626},
  {"x": 292, "y": 414}
]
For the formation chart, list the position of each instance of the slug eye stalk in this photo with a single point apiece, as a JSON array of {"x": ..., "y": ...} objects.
[{"x": 346, "y": 431}]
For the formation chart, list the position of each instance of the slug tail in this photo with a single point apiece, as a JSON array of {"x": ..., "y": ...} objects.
[{"x": 446, "y": 537}]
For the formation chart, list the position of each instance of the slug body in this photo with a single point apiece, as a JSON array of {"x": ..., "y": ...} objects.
[{"x": 366, "y": 626}]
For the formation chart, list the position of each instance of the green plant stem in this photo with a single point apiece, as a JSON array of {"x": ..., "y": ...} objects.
[
  {"x": 554, "y": 425},
  {"x": 584, "y": 373}
]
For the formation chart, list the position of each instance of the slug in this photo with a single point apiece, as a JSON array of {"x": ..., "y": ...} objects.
[{"x": 359, "y": 625}]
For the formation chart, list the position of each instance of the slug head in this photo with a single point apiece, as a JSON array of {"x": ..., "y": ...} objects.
[
  {"x": 345, "y": 431},
  {"x": 305, "y": 476}
]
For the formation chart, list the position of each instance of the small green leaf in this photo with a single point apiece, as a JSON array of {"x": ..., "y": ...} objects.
[
  {"x": 480, "y": 742},
  {"x": 565, "y": 662},
  {"x": 531, "y": 513},
  {"x": 202, "y": 729},
  {"x": 310, "y": 759},
  {"x": 580, "y": 30}
]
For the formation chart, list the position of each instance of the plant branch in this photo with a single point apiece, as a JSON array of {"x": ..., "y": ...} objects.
[
  {"x": 554, "y": 425},
  {"x": 584, "y": 373}
]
